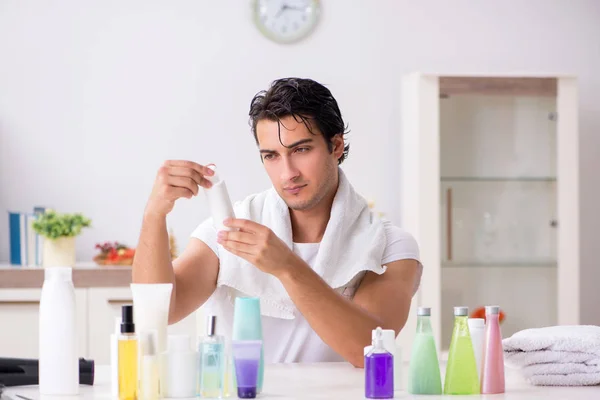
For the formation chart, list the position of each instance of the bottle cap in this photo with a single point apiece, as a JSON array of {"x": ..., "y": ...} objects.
[
  {"x": 476, "y": 323},
  {"x": 424, "y": 311},
  {"x": 179, "y": 343},
  {"x": 377, "y": 335},
  {"x": 492, "y": 309},
  {"x": 215, "y": 178},
  {"x": 389, "y": 339},
  {"x": 461, "y": 311},
  {"x": 211, "y": 325},
  {"x": 127, "y": 325}
]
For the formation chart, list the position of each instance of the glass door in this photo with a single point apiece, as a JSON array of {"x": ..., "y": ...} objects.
[{"x": 498, "y": 208}]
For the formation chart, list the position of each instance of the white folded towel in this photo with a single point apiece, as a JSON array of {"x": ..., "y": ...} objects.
[
  {"x": 556, "y": 355},
  {"x": 354, "y": 241}
]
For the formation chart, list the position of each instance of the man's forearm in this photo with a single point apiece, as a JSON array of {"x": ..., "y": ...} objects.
[
  {"x": 329, "y": 313},
  {"x": 152, "y": 262}
]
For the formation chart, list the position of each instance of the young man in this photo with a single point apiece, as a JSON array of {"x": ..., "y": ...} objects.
[{"x": 327, "y": 271}]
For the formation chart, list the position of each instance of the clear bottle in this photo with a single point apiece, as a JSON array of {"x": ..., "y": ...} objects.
[
  {"x": 379, "y": 370},
  {"x": 461, "y": 370},
  {"x": 58, "y": 362},
  {"x": 212, "y": 361},
  {"x": 424, "y": 370},
  {"x": 149, "y": 383},
  {"x": 492, "y": 370},
  {"x": 127, "y": 356}
]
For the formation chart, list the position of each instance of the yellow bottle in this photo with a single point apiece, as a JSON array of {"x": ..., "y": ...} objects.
[{"x": 128, "y": 356}]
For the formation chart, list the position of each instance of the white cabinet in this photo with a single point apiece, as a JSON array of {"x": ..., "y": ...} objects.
[
  {"x": 19, "y": 322},
  {"x": 96, "y": 312},
  {"x": 490, "y": 191}
]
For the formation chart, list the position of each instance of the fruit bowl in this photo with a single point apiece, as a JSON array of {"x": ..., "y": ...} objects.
[{"x": 114, "y": 253}]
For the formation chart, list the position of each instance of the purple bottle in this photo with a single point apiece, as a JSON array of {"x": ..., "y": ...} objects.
[{"x": 379, "y": 370}]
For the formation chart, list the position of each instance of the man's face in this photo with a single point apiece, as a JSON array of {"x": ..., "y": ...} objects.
[{"x": 303, "y": 171}]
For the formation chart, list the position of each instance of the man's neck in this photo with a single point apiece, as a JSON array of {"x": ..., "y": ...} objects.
[{"x": 308, "y": 226}]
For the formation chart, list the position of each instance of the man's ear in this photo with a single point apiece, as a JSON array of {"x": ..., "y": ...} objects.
[{"x": 337, "y": 143}]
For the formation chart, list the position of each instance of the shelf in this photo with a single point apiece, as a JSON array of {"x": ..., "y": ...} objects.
[
  {"x": 499, "y": 264},
  {"x": 497, "y": 179}
]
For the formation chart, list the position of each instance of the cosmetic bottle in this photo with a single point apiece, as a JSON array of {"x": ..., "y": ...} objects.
[
  {"x": 149, "y": 384},
  {"x": 379, "y": 370},
  {"x": 424, "y": 370},
  {"x": 461, "y": 370},
  {"x": 114, "y": 359},
  {"x": 218, "y": 200},
  {"x": 178, "y": 368},
  {"x": 212, "y": 361},
  {"x": 58, "y": 361},
  {"x": 492, "y": 368},
  {"x": 128, "y": 356}
]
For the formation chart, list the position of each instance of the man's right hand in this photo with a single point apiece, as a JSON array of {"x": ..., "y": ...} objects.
[{"x": 176, "y": 179}]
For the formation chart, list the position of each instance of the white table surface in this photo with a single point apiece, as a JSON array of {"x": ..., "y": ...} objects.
[{"x": 334, "y": 381}]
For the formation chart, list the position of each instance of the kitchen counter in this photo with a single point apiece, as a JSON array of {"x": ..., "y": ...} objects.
[
  {"x": 337, "y": 381},
  {"x": 84, "y": 275}
]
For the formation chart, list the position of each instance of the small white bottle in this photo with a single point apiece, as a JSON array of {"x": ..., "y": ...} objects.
[
  {"x": 178, "y": 368},
  {"x": 114, "y": 359},
  {"x": 218, "y": 199},
  {"x": 477, "y": 332},
  {"x": 58, "y": 361},
  {"x": 149, "y": 379}
]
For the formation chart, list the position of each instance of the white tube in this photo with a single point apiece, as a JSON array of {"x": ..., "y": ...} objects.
[
  {"x": 218, "y": 200},
  {"x": 151, "y": 303}
]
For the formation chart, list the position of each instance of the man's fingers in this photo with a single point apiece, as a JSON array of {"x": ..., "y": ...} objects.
[
  {"x": 238, "y": 236},
  {"x": 241, "y": 249},
  {"x": 190, "y": 173},
  {"x": 183, "y": 182},
  {"x": 244, "y": 224},
  {"x": 201, "y": 169}
]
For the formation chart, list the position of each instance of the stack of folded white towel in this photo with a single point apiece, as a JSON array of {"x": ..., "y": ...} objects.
[{"x": 556, "y": 355}]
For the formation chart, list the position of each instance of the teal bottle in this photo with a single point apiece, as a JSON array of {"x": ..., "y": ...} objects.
[
  {"x": 424, "y": 370},
  {"x": 461, "y": 371}
]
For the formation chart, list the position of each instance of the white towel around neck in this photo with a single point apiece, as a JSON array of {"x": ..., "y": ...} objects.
[{"x": 354, "y": 241}]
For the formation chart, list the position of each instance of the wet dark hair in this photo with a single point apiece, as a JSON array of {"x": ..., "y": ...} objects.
[{"x": 307, "y": 101}]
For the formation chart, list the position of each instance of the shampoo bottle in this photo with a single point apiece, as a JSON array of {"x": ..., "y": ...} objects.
[{"x": 461, "y": 370}]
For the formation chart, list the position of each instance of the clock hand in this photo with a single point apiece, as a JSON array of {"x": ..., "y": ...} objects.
[{"x": 281, "y": 10}]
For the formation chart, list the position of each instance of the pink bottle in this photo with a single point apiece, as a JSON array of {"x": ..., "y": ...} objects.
[{"x": 492, "y": 363}]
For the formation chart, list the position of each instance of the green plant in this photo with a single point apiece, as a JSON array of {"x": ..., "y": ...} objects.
[{"x": 53, "y": 225}]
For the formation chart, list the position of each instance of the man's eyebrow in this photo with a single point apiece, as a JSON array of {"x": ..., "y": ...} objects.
[{"x": 291, "y": 146}]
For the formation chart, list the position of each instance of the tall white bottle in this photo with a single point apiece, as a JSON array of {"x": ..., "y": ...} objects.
[
  {"x": 58, "y": 361},
  {"x": 218, "y": 199}
]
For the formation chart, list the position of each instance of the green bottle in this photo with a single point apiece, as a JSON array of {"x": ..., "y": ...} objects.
[
  {"x": 424, "y": 370},
  {"x": 461, "y": 371}
]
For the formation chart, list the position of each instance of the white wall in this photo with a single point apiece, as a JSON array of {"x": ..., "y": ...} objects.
[{"x": 94, "y": 95}]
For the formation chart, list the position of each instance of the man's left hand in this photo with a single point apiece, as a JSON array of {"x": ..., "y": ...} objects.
[{"x": 258, "y": 245}]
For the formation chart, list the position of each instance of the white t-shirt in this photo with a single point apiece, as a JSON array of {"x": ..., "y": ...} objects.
[{"x": 288, "y": 341}]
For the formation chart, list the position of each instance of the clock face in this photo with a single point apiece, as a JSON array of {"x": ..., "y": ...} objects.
[{"x": 286, "y": 21}]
